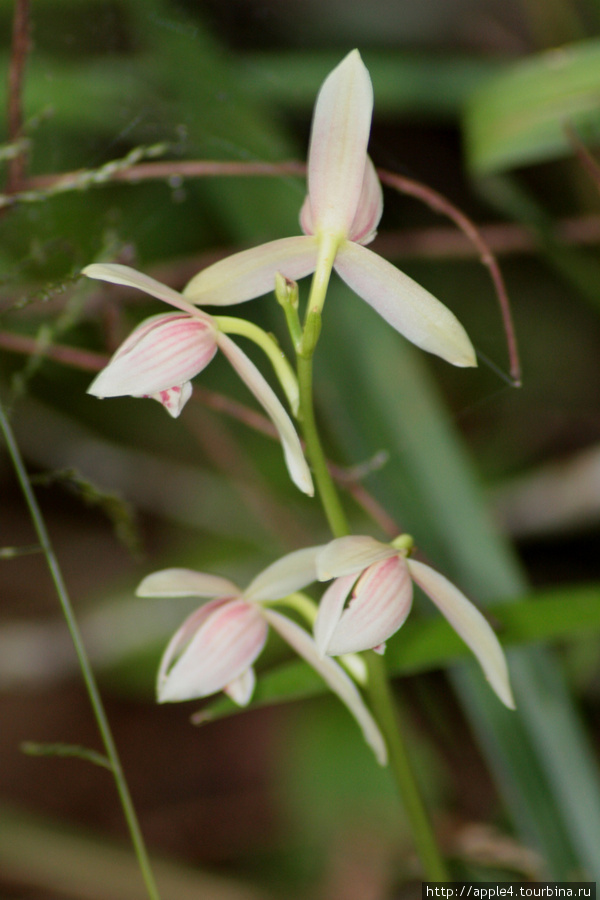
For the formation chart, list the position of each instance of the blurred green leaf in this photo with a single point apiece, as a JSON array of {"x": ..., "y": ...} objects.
[{"x": 521, "y": 116}]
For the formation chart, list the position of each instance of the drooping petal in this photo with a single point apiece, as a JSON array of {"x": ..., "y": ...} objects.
[
  {"x": 290, "y": 441},
  {"x": 380, "y": 602},
  {"x": 226, "y": 644},
  {"x": 251, "y": 273},
  {"x": 164, "y": 351},
  {"x": 370, "y": 207},
  {"x": 125, "y": 275},
  {"x": 186, "y": 583},
  {"x": 338, "y": 145},
  {"x": 334, "y": 676},
  {"x": 408, "y": 307},
  {"x": 174, "y": 399},
  {"x": 469, "y": 624},
  {"x": 330, "y": 611},
  {"x": 288, "y": 574},
  {"x": 353, "y": 553},
  {"x": 241, "y": 688}
]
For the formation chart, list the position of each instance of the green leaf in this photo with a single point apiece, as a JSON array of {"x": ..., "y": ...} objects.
[
  {"x": 521, "y": 116},
  {"x": 98, "y": 759}
]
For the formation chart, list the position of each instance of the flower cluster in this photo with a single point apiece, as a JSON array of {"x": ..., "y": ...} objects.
[
  {"x": 366, "y": 603},
  {"x": 370, "y": 594}
]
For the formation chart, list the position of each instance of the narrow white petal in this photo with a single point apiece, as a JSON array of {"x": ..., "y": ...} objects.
[
  {"x": 163, "y": 351},
  {"x": 334, "y": 676},
  {"x": 125, "y": 275},
  {"x": 174, "y": 399},
  {"x": 251, "y": 273},
  {"x": 469, "y": 624},
  {"x": 380, "y": 602},
  {"x": 370, "y": 207},
  {"x": 353, "y": 553},
  {"x": 338, "y": 145},
  {"x": 330, "y": 611},
  {"x": 290, "y": 441},
  {"x": 408, "y": 307},
  {"x": 241, "y": 688},
  {"x": 226, "y": 644},
  {"x": 186, "y": 583},
  {"x": 288, "y": 574}
]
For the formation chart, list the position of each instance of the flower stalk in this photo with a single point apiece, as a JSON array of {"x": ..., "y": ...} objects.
[{"x": 82, "y": 657}]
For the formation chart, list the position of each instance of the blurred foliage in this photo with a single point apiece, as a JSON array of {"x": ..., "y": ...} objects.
[{"x": 515, "y": 84}]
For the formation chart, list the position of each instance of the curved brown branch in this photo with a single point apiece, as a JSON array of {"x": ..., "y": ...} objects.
[{"x": 440, "y": 204}]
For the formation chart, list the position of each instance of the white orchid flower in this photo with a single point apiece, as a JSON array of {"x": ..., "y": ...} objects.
[
  {"x": 162, "y": 355},
  {"x": 217, "y": 645},
  {"x": 339, "y": 216},
  {"x": 378, "y": 580}
]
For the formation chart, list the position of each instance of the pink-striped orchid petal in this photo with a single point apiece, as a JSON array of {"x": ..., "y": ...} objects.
[
  {"x": 251, "y": 273},
  {"x": 351, "y": 554},
  {"x": 128, "y": 277},
  {"x": 469, "y": 624},
  {"x": 334, "y": 676},
  {"x": 265, "y": 395},
  {"x": 174, "y": 399},
  {"x": 290, "y": 573},
  {"x": 186, "y": 583},
  {"x": 338, "y": 146},
  {"x": 370, "y": 207},
  {"x": 380, "y": 602},
  {"x": 404, "y": 304},
  {"x": 330, "y": 612},
  {"x": 163, "y": 351},
  {"x": 184, "y": 634},
  {"x": 241, "y": 688},
  {"x": 222, "y": 648}
]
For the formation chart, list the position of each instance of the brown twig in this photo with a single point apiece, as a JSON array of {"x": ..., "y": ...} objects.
[
  {"x": 440, "y": 204},
  {"x": 437, "y": 202},
  {"x": 16, "y": 75}
]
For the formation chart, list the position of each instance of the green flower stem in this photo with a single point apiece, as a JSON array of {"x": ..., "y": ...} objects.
[
  {"x": 267, "y": 343},
  {"x": 328, "y": 247},
  {"x": 378, "y": 686},
  {"x": 329, "y": 496},
  {"x": 385, "y": 711},
  {"x": 86, "y": 670}
]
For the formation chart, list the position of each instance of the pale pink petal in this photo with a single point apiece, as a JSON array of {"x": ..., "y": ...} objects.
[
  {"x": 184, "y": 635},
  {"x": 288, "y": 574},
  {"x": 338, "y": 145},
  {"x": 174, "y": 399},
  {"x": 290, "y": 441},
  {"x": 353, "y": 553},
  {"x": 330, "y": 611},
  {"x": 469, "y": 624},
  {"x": 251, "y": 273},
  {"x": 370, "y": 207},
  {"x": 163, "y": 351},
  {"x": 408, "y": 307},
  {"x": 379, "y": 604},
  {"x": 241, "y": 688},
  {"x": 186, "y": 583},
  {"x": 225, "y": 645},
  {"x": 334, "y": 676},
  {"x": 125, "y": 275}
]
